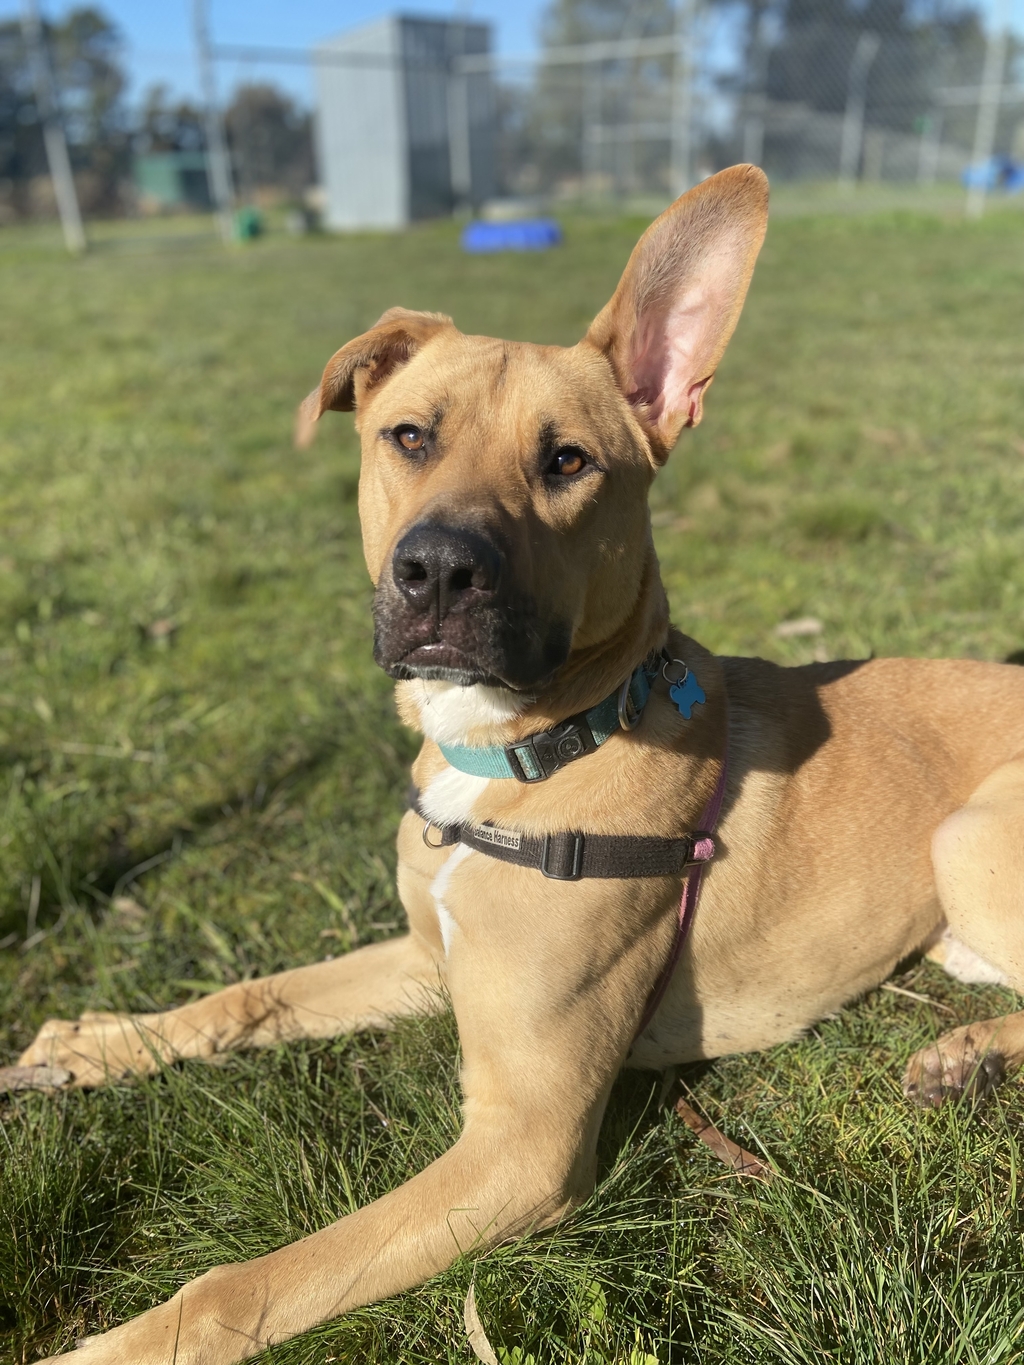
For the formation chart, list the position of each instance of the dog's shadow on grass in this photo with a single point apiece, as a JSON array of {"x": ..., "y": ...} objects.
[
  {"x": 90, "y": 874},
  {"x": 638, "y": 1106},
  {"x": 121, "y": 863}
]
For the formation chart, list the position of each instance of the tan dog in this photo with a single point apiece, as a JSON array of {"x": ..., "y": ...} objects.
[{"x": 868, "y": 806}]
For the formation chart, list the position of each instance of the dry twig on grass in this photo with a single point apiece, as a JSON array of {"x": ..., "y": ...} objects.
[
  {"x": 737, "y": 1158},
  {"x": 32, "y": 1078}
]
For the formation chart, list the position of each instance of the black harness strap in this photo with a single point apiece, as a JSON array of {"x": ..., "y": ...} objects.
[{"x": 569, "y": 856}]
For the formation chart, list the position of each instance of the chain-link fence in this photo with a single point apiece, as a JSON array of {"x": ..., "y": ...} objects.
[
  {"x": 624, "y": 98},
  {"x": 646, "y": 98},
  {"x": 811, "y": 89}
]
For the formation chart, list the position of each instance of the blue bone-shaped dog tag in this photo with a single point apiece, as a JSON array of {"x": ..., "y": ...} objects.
[{"x": 686, "y": 692}]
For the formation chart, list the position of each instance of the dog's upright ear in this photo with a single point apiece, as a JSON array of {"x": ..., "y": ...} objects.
[
  {"x": 668, "y": 323},
  {"x": 364, "y": 363}
]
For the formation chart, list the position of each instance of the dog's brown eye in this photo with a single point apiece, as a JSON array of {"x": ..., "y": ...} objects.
[
  {"x": 409, "y": 438},
  {"x": 568, "y": 461}
]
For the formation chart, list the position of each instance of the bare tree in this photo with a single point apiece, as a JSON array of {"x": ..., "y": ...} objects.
[
  {"x": 84, "y": 54},
  {"x": 270, "y": 140}
]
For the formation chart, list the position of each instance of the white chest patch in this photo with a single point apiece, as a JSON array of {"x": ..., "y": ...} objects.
[
  {"x": 450, "y": 796},
  {"x": 460, "y": 715},
  {"x": 439, "y": 889},
  {"x": 450, "y": 714}
]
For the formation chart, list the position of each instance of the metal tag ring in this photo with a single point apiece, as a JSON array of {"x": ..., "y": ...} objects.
[{"x": 667, "y": 664}]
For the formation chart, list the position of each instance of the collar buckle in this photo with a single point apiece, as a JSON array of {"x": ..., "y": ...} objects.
[{"x": 538, "y": 756}]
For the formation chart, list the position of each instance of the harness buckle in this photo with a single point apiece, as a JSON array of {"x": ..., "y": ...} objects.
[
  {"x": 576, "y": 860},
  {"x": 550, "y": 750}
]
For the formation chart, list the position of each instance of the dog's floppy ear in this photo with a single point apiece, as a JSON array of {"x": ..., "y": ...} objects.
[
  {"x": 364, "y": 363},
  {"x": 667, "y": 324}
]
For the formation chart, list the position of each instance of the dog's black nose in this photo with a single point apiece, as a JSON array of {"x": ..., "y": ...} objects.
[{"x": 439, "y": 567}]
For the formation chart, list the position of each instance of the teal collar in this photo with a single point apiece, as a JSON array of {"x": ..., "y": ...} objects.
[{"x": 539, "y": 756}]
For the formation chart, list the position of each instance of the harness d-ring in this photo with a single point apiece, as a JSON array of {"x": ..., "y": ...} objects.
[{"x": 427, "y": 827}]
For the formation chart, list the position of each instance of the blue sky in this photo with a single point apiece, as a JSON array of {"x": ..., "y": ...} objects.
[{"x": 158, "y": 33}]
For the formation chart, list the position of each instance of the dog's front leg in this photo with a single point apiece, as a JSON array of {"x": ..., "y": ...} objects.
[
  {"x": 363, "y": 989},
  {"x": 495, "y": 1181},
  {"x": 547, "y": 997}
]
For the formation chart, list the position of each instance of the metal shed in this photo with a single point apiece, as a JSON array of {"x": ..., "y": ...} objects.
[
  {"x": 170, "y": 180},
  {"x": 403, "y": 131}
]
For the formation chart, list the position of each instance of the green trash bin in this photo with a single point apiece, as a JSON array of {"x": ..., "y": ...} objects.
[{"x": 248, "y": 224}]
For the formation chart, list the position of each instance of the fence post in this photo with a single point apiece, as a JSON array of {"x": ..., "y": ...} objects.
[
  {"x": 460, "y": 166},
  {"x": 753, "y": 131},
  {"x": 989, "y": 97},
  {"x": 755, "y": 97},
  {"x": 53, "y": 130},
  {"x": 682, "y": 97},
  {"x": 218, "y": 166},
  {"x": 590, "y": 158},
  {"x": 930, "y": 148},
  {"x": 460, "y": 163},
  {"x": 864, "y": 55}
]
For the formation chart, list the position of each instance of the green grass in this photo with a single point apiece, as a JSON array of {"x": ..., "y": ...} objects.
[{"x": 202, "y": 774}]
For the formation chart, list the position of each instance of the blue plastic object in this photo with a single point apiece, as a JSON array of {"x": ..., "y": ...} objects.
[
  {"x": 528, "y": 234},
  {"x": 998, "y": 173}
]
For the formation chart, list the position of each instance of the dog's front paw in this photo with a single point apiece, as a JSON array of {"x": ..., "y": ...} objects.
[
  {"x": 137, "y": 1342},
  {"x": 95, "y": 1049},
  {"x": 218, "y": 1319},
  {"x": 956, "y": 1067},
  {"x": 76, "y": 1353}
]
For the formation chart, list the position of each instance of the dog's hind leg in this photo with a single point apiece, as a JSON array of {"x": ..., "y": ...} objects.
[
  {"x": 978, "y": 857},
  {"x": 365, "y": 988}
]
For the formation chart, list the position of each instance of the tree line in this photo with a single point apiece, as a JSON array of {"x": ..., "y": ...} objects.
[{"x": 269, "y": 135}]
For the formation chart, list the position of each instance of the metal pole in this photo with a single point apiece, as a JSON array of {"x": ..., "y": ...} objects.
[
  {"x": 930, "y": 148},
  {"x": 682, "y": 98},
  {"x": 753, "y": 131},
  {"x": 623, "y": 116},
  {"x": 569, "y": 55},
  {"x": 218, "y": 166},
  {"x": 593, "y": 127},
  {"x": 989, "y": 97},
  {"x": 53, "y": 130},
  {"x": 755, "y": 96},
  {"x": 864, "y": 55},
  {"x": 460, "y": 163}
]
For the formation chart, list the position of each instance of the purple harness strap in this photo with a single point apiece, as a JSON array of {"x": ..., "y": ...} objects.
[{"x": 703, "y": 852}]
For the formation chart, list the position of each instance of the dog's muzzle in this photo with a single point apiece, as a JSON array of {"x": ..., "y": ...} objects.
[{"x": 446, "y": 609}]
